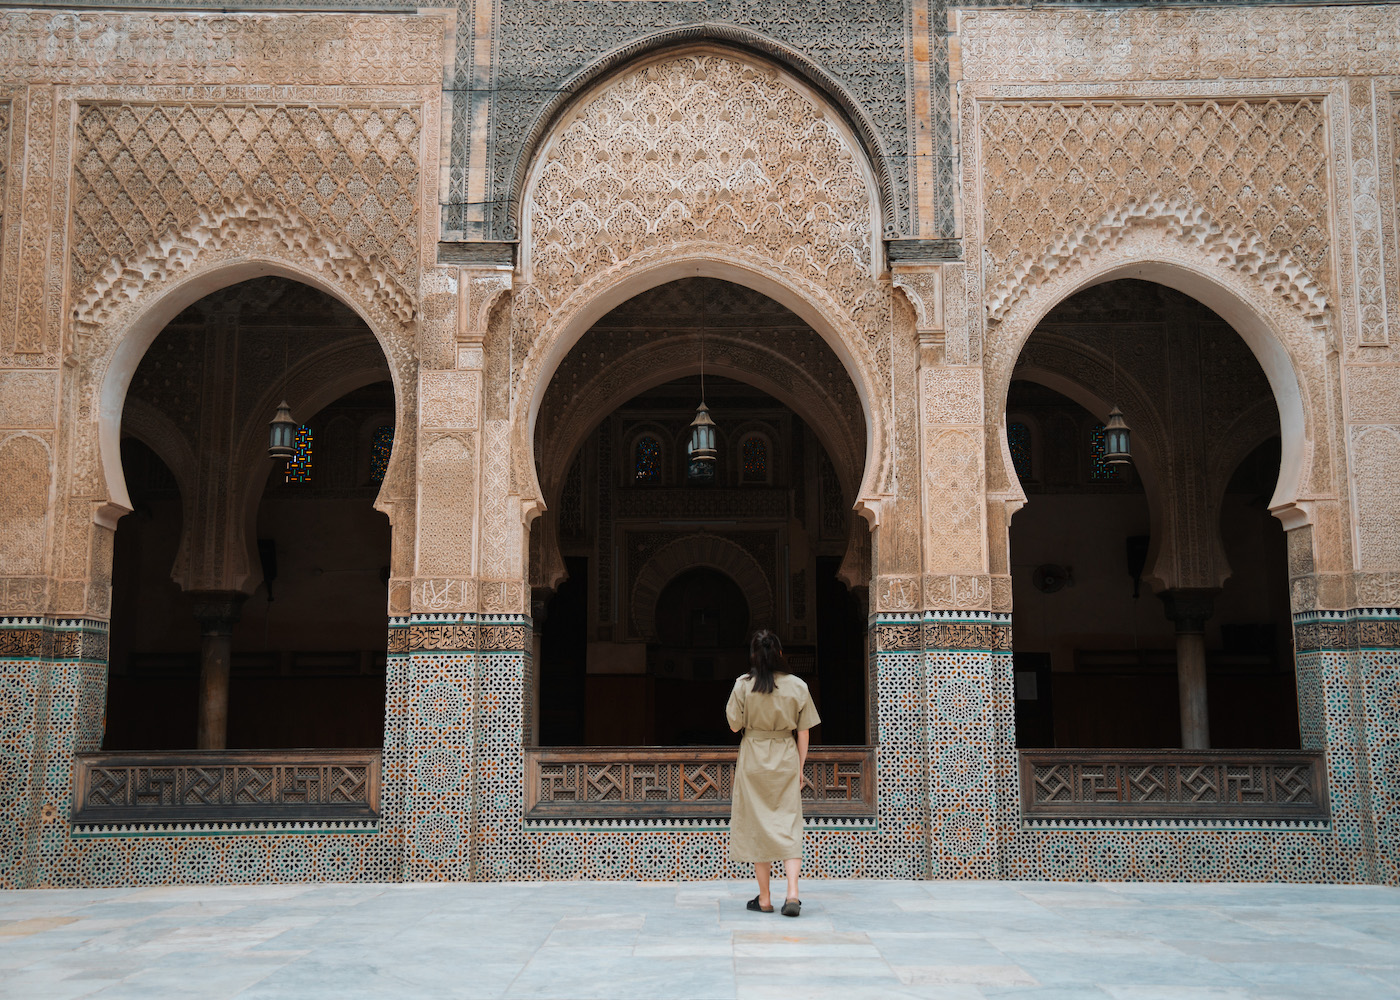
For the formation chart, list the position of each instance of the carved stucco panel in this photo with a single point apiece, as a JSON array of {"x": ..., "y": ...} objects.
[
  {"x": 446, "y": 503},
  {"x": 953, "y": 396},
  {"x": 33, "y": 234},
  {"x": 436, "y": 342},
  {"x": 147, "y": 173},
  {"x": 449, "y": 399},
  {"x": 686, "y": 149},
  {"x": 953, "y": 479},
  {"x": 480, "y": 289},
  {"x": 1245, "y": 181},
  {"x": 24, "y": 503},
  {"x": 444, "y": 594},
  {"x": 962, "y": 343},
  {"x": 1375, "y": 468},
  {"x": 500, "y": 540},
  {"x": 923, "y": 285},
  {"x": 1372, "y": 393},
  {"x": 150, "y": 47},
  {"x": 28, "y": 399},
  {"x": 11, "y": 101},
  {"x": 1368, "y": 278}
]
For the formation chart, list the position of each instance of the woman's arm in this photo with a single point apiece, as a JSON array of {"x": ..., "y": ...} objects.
[
  {"x": 735, "y": 712},
  {"x": 802, "y": 737}
]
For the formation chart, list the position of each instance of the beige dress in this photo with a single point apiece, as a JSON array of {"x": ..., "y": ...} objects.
[{"x": 765, "y": 821}]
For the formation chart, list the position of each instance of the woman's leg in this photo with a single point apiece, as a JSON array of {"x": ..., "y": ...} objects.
[
  {"x": 792, "y": 866},
  {"x": 763, "y": 871}
]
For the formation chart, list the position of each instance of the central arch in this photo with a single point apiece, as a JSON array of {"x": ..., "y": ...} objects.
[{"x": 697, "y": 180}]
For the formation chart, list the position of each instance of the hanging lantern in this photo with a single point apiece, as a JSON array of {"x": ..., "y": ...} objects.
[
  {"x": 702, "y": 445},
  {"x": 281, "y": 429},
  {"x": 1115, "y": 439}
]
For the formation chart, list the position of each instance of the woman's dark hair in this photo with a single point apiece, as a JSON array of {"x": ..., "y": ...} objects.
[{"x": 765, "y": 659}]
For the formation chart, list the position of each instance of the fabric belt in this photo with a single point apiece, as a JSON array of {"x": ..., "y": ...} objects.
[{"x": 768, "y": 734}]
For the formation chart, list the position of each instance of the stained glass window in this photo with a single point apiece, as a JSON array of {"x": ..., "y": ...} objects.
[
  {"x": 299, "y": 465},
  {"x": 755, "y": 456},
  {"x": 1018, "y": 436},
  {"x": 379, "y": 448},
  {"x": 1099, "y": 470},
  {"x": 647, "y": 460}
]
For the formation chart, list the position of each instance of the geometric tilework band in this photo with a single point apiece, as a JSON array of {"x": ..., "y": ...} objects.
[{"x": 947, "y": 790}]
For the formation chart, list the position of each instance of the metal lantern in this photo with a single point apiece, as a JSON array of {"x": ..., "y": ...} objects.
[
  {"x": 702, "y": 444},
  {"x": 1115, "y": 439},
  {"x": 280, "y": 432}
]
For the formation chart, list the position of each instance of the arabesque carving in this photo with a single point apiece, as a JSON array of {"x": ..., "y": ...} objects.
[
  {"x": 1242, "y": 252},
  {"x": 684, "y": 150}
]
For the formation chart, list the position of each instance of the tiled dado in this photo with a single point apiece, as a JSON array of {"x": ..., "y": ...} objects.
[
  {"x": 53, "y": 688},
  {"x": 1348, "y": 670},
  {"x": 898, "y": 843},
  {"x": 1349, "y": 699},
  {"x": 53, "y": 693},
  {"x": 456, "y": 710},
  {"x": 453, "y": 765}
]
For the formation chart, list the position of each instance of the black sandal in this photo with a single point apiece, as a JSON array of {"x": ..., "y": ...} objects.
[
  {"x": 792, "y": 908},
  {"x": 753, "y": 905}
]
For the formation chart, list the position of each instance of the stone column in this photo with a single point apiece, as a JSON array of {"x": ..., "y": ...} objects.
[
  {"x": 1189, "y": 609},
  {"x": 217, "y": 612}
]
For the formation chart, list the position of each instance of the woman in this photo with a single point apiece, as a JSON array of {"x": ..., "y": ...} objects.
[{"x": 765, "y": 821}]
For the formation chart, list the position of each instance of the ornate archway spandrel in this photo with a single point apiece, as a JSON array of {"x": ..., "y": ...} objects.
[
  {"x": 170, "y": 190},
  {"x": 680, "y": 158},
  {"x": 1246, "y": 179}
]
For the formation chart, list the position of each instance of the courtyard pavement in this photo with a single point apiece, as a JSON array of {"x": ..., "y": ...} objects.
[{"x": 855, "y": 939}]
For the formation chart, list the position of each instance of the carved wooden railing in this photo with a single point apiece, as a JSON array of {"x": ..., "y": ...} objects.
[
  {"x": 240, "y": 786},
  {"x": 1173, "y": 784},
  {"x": 681, "y": 782}
]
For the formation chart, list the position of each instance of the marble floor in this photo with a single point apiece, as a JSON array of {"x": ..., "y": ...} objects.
[{"x": 855, "y": 939}]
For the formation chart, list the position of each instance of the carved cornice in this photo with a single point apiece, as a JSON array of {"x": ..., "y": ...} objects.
[
  {"x": 1193, "y": 43},
  {"x": 150, "y": 47},
  {"x": 500, "y": 254}
]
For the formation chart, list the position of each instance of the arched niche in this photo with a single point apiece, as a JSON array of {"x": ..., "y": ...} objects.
[{"x": 688, "y": 553}]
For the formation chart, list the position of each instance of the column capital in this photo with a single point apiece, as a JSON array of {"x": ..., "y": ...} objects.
[
  {"x": 1189, "y": 608},
  {"x": 218, "y": 611}
]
